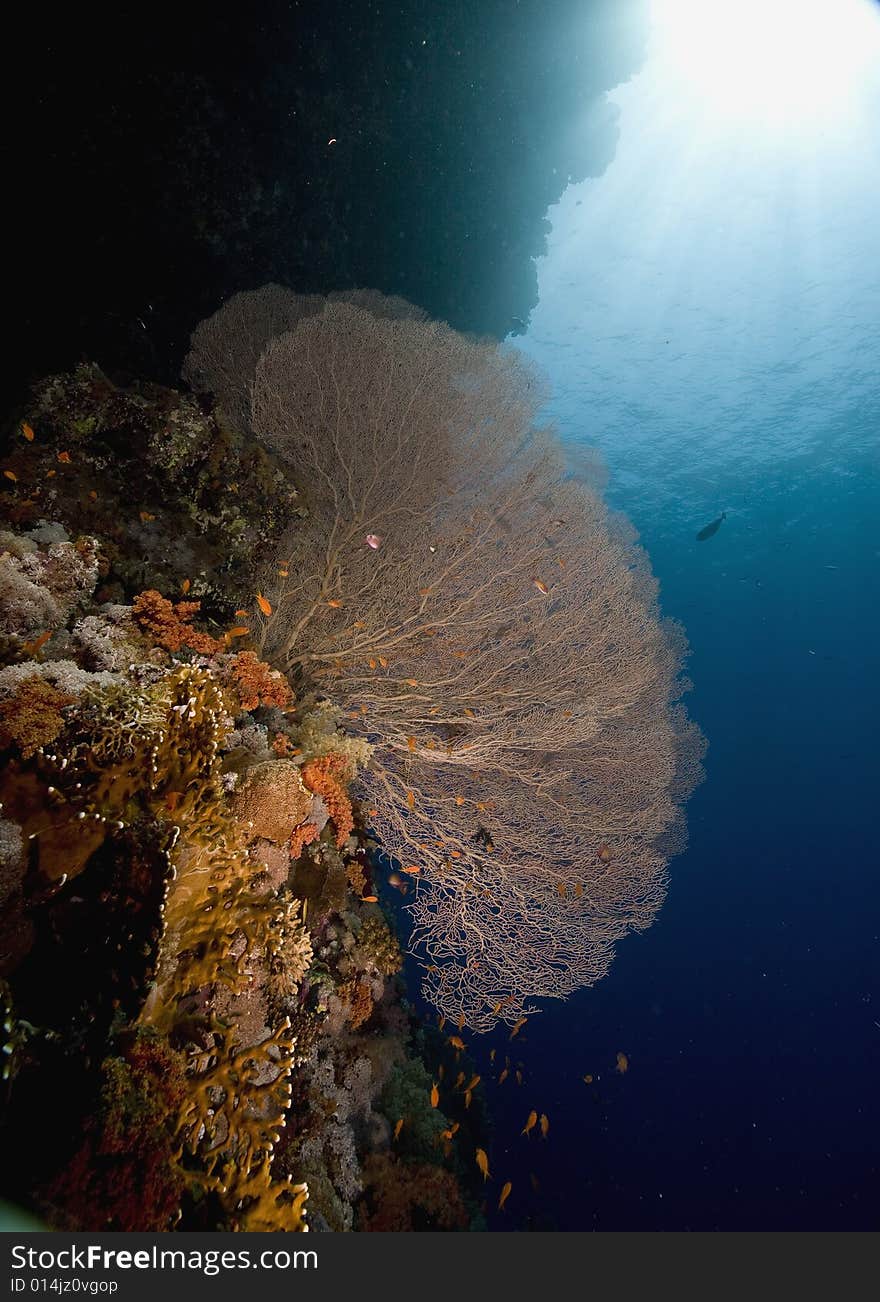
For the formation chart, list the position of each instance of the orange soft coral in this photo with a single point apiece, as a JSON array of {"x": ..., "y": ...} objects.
[
  {"x": 324, "y": 777},
  {"x": 256, "y": 684},
  {"x": 168, "y": 623},
  {"x": 302, "y": 836},
  {"x": 32, "y": 717}
]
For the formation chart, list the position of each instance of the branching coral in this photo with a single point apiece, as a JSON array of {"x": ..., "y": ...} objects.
[{"x": 32, "y": 716}]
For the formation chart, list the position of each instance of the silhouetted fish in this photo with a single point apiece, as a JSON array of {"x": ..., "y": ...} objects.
[{"x": 711, "y": 528}]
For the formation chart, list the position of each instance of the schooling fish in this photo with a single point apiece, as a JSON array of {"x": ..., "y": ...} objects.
[{"x": 712, "y": 528}]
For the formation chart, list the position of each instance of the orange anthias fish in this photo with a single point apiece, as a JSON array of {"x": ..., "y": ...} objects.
[
  {"x": 519, "y": 1077},
  {"x": 505, "y": 1194},
  {"x": 435, "y": 1096},
  {"x": 374, "y": 540},
  {"x": 622, "y": 1063},
  {"x": 504, "y": 1075},
  {"x": 27, "y": 431},
  {"x": 588, "y": 1080},
  {"x": 483, "y": 1164},
  {"x": 540, "y": 585},
  {"x": 545, "y": 1125},
  {"x": 456, "y": 1041},
  {"x": 459, "y": 1080},
  {"x": 397, "y": 1128},
  {"x": 475, "y": 1080},
  {"x": 530, "y": 1124},
  {"x": 492, "y": 1053},
  {"x": 467, "y": 1098},
  {"x": 517, "y": 1026},
  {"x": 264, "y": 605}
]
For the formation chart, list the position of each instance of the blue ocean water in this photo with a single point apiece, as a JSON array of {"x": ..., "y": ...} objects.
[{"x": 709, "y": 318}]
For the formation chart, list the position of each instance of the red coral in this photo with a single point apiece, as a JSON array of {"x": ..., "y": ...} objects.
[
  {"x": 168, "y": 623},
  {"x": 32, "y": 717},
  {"x": 323, "y": 777},
  {"x": 399, "y": 1197},
  {"x": 256, "y": 684}
]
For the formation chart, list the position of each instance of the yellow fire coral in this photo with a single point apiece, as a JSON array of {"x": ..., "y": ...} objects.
[{"x": 324, "y": 777}]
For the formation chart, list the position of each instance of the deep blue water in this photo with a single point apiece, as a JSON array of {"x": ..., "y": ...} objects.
[{"x": 709, "y": 318}]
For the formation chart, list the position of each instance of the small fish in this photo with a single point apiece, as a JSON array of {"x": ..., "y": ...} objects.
[
  {"x": 460, "y": 1022},
  {"x": 372, "y": 664},
  {"x": 285, "y": 574},
  {"x": 518, "y": 1077},
  {"x": 483, "y": 1164},
  {"x": 64, "y": 457},
  {"x": 505, "y": 1194},
  {"x": 374, "y": 540},
  {"x": 441, "y": 1023},
  {"x": 335, "y": 604},
  {"x": 435, "y": 1096},
  {"x": 578, "y": 889},
  {"x": 185, "y": 586},
  {"x": 467, "y": 1098},
  {"x": 33, "y": 647},
  {"x": 604, "y": 853},
  {"x": 530, "y": 1123},
  {"x": 588, "y": 1080},
  {"x": 545, "y": 1125},
  {"x": 238, "y": 631},
  {"x": 413, "y": 869},
  {"x": 622, "y": 1063},
  {"x": 242, "y": 612},
  {"x": 540, "y": 585},
  {"x": 398, "y": 1126},
  {"x": 370, "y": 899},
  {"x": 10, "y": 474},
  {"x": 93, "y": 495},
  {"x": 411, "y": 799},
  {"x": 264, "y": 605},
  {"x": 712, "y": 528},
  {"x": 383, "y": 662},
  {"x": 517, "y": 1026},
  {"x": 411, "y": 743},
  {"x": 475, "y": 1080},
  {"x": 504, "y": 1075},
  {"x": 560, "y": 890},
  {"x": 27, "y": 431},
  {"x": 459, "y": 1080},
  {"x": 492, "y": 1053},
  {"x": 456, "y": 1041},
  {"x": 411, "y": 682}
]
